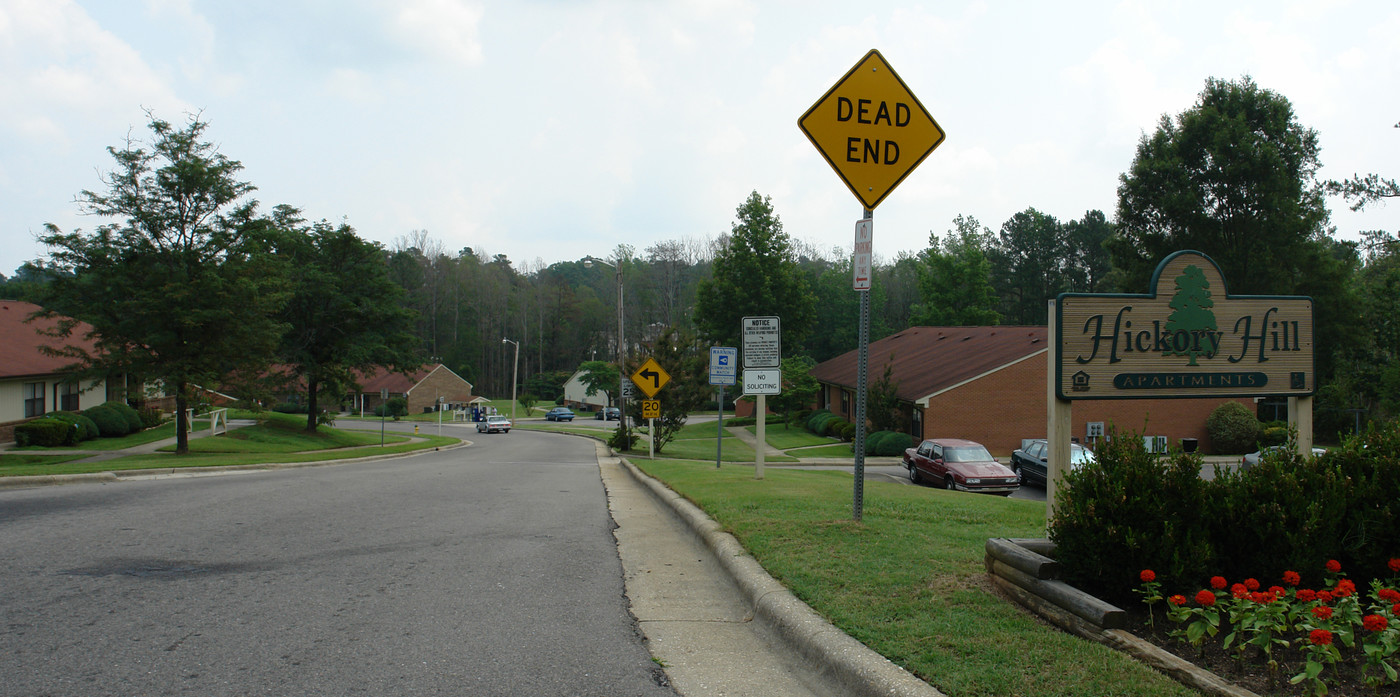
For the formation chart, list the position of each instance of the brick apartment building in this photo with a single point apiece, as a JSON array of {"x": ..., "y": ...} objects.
[{"x": 988, "y": 384}]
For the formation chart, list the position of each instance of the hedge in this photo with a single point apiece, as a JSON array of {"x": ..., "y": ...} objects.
[
  {"x": 87, "y": 429},
  {"x": 1134, "y": 510},
  {"x": 47, "y": 432},
  {"x": 110, "y": 422},
  {"x": 133, "y": 419}
]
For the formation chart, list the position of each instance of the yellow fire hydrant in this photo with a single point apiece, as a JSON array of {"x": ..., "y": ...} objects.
[{"x": 415, "y": 429}]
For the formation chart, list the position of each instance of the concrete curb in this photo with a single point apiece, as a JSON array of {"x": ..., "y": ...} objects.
[
  {"x": 119, "y": 475},
  {"x": 855, "y": 667}
]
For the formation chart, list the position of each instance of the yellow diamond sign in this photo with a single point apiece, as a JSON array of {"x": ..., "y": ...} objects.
[
  {"x": 871, "y": 129},
  {"x": 650, "y": 378}
]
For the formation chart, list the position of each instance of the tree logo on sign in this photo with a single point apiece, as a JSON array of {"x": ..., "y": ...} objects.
[{"x": 1191, "y": 327}]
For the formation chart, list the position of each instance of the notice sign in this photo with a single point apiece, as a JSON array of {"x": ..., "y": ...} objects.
[
  {"x": 762, "y": 342},
  {"x": 863, "y": 261},
  {"x": 1188, "y": 338},
  {"x": 763, "y": 381}
]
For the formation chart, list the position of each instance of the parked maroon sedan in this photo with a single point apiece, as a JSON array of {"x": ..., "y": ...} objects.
[{"x": 960, "y": 465}]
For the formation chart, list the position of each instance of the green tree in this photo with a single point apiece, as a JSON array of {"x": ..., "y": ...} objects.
[
  {"x": 882, "y": 408},
  {"x": 1233, "y": 177},
  {"x": 600, "y": 376},
  {"x": 799, "y": 389},
  {"x": 344, "y": 315},
  {"x": 1087, "y": 263},
  {"x": 180, "y": 289},
  {"x": 1030, "y": 260},
  {"x": 755, "y": 274},
  {"x": 681, "y": 354},
  {"x": 955, "y": 278}
]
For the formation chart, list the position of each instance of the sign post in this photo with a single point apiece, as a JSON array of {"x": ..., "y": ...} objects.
[
  {"x": 724, "y": 362},
  {"x": 650, "y": 378},
  {"x": 762, "y": 349},
  {"x": 873, "y": 131}
]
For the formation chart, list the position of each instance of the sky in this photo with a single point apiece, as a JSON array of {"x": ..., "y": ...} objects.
[{"x": 549, "y": 130}]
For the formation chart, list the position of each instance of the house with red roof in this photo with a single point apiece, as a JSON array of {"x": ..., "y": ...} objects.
[
  {"x": 422, "y": 387},
  {"x": 33, "y": 383},
  {"x": 988, "y": 384}
]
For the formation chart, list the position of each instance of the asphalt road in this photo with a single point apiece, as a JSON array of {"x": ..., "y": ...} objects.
[{"x": 489, "y": 570}]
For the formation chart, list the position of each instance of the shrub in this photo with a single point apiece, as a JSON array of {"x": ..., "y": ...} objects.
[
  {"x": 622, "y": 440},
  {"x": 846, "y": 432},
  {"x": 1232, "y": 429},
  {"x": 47, "y": 432},
  {"x": 815, "y": 419},
  {"x": 292, "y": 408},
  {"x": 894, "y": 444},
  {"x": 110, "y": 422},
  {"x": 1132, "y": 510},
  {"x": 87, "y": 430},
  {"x": 1273, "y": 433},
  {"x": 830, "y": 426},
  {"x": 741, "y": 421},
  {"x": 150, "y": 417},
  {"x": 872, "y": 440},
  {"x": 396, "y": 408},
  {"x": 133, "y": 419}
]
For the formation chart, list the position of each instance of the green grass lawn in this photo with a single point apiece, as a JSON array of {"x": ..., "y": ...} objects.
[
  {"x": 783, "y": 438},
  {"x": 842, "y": 450},
  {"x": 908, "y": 580}
]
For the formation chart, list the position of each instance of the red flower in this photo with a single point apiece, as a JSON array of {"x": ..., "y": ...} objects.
[
  {"x": 1320, "y": 637},
  {"x": 1217, "y": 582},
  {"x": 1374, "y": 623},
  {"x": 1291, "y": 578},
  {"x": 1344, "y": 588},
  {"x": 1322, "y": 612},
  {"x": 1333, "y": 565},
  {"x": 1306, "y": 595},
  {"x": 1324, "y": 596},
  {"x": 1278, "y": 592},
  {"x": 1394, "y": 565},
  {"x": 1389, "y": 595},
  {"x": 1395, "y": 609},
  {"x": 1177, "y": 600},
  {"x": 1205, "y": 598},
  {"x": 1251, "y": 584},
  {"x": 1148, "y": 575},
  {"x": 1238, "y": 590},
  {"x": 1262, "y": 598}
]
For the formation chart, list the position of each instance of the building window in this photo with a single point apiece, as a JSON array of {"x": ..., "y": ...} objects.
[
  {"x": 33, "y": 399},
  {"x": 68, "y": 396},
  {"x": 916, "y": 423},
  {"x": 845, "y": 402}
]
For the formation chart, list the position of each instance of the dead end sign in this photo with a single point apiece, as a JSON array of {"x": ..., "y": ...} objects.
[{"x": 871, "y": 129}]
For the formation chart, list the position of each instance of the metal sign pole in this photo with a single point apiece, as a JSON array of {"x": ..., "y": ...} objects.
[
  {"x": 719, "y": 432},
  {"x": 762, "y": 412},
  {"x": 862, "y": 367}
]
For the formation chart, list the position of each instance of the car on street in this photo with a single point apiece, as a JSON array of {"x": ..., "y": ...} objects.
[
  {"x": 1252, "y": 459},
  {"x": 959, "y": 465},
  {"x": 608, "y": 414},
  {"x": 493, "y": 424},
  {"x": 1030, "y": 460},
  {"x": 559, "y": 414}
]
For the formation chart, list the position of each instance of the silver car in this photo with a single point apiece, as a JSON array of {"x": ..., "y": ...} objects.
[
  {"x": 493, "y": 424},
  {"x": 1252, "y": 459}
]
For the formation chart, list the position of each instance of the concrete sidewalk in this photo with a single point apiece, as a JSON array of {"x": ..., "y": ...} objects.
[{"x": 715, "y": 620}]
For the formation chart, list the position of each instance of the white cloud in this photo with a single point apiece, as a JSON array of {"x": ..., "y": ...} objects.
[{"x": 446, "y": 28}]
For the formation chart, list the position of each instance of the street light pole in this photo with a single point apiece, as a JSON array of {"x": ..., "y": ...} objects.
[
  {"x": 621, "y": 357},
  {"x": 514, "y": 376}
]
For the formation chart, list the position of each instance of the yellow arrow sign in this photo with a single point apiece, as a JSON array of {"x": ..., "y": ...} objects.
[
  {"x": 871, "y": 129},
  {"x": 650, "y": 378}
]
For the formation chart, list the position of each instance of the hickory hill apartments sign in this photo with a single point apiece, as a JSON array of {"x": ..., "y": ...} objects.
[{"x": 1187, "y": 338}]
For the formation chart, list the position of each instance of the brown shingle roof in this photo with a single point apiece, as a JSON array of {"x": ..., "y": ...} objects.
[
  {"x": 20, "y": 341},
  {"x": 928, "y": 360}
]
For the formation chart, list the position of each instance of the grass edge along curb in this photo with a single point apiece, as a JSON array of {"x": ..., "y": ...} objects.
[
  {"x": 853, "y": 665},
  {"x": 1020, "y": 568},
  {"x": 108, "y": 476}
]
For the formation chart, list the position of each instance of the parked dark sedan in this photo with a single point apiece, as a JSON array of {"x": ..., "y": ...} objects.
[
  {"x": 559, "y": 414},
  {"x": 608, "y": 414},
  {"x": 960, "y": 465},
  {"x": 1030, "y": 461}
]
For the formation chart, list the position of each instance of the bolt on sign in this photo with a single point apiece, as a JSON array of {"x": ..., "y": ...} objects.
[
  {"x": 1187, "y": 338},
  {"x": 871, "y": 129}
]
